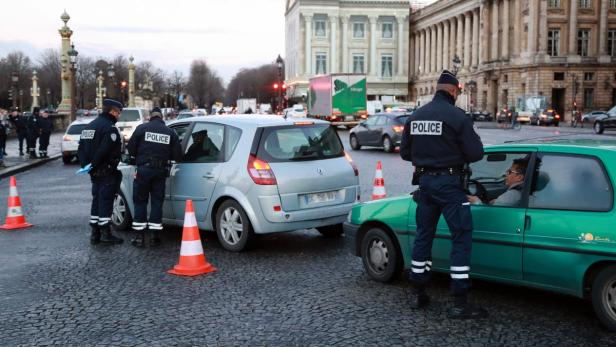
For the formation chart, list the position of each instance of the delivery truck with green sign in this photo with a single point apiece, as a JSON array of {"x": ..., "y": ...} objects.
[{"x": 338, "y": 98}]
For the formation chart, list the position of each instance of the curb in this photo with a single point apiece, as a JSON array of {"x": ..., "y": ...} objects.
[{"x": 26, "y": 166}]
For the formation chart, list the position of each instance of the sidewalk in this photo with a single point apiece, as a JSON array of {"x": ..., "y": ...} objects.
[{"x": 15, "y": 163}]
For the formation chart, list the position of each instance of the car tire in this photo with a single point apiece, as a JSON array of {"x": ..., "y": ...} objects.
[
  {"x": 354, "y": 143},
  {"x": 67, "y": 159},
  {"x": 331, "y": 230},
  {"x": 231, "y": 219},
  {"x": 388, "y": 146},
  {"x": 121, "y": 218},
  {"x": 598, "y": 128},
  {"x": 604, "y": 297},
  {"x": 380, "y": 256}
]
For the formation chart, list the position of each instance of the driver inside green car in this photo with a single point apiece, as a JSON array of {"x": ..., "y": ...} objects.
[{"x": 514, "y": 180}]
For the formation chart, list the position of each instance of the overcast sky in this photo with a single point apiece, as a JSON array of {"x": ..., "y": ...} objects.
[{"x": 228, "y": 34}]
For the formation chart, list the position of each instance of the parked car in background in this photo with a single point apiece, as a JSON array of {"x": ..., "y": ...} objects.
[
  {"x": 381, "y": 130},
  {"x": 559, "y": 236},
  {"x": 505, "y": 115},
  {"x": 477, "y": 116},
  {"x": 189, "y": 114},
  {"x": 254, "y": 174},
  {"x": 295, "y": 111},
  {"x": 129, "y": 119},
  {"x": 605, "y": 122},
  {"x": 70, "y": 140},
  {"x": 547, "y": 117},
  {"x": 591, "y": 117}
]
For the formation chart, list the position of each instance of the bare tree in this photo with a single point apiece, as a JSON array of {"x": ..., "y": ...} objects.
[
  {"x": 86, "y": 82},
  {"x": 49, "y": 71},
  {"x": 204, "y": 85},
  {"x": 253, "y": 83}
]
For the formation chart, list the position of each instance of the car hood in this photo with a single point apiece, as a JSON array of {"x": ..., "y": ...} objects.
[{"x": 394, "y": 211}]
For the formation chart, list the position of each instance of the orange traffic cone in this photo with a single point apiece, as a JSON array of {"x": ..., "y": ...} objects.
[
  {"x": 192, "y": 260},
  {"x": 378, "y": 190},
  {"x": 15, "y": 218}
]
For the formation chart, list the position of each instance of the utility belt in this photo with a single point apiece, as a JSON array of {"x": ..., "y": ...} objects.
[
  {"x": 437, "y": 171},
  {"x": 155, "y": 163},
  {"x": 104, "y": 170}
]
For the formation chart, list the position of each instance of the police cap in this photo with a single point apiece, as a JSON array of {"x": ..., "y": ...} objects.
[
  {"x": 156, "y": 112},
  {"x": 113, "y": 103},
  {"x": 447, "y": 77}
]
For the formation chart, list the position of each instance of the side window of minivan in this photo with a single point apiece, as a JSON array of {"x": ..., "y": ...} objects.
[
  {"x": 180, "y": 130},
  {"x": 205, "y": 144}
]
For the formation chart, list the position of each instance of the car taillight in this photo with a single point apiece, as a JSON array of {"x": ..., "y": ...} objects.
[
  {"x": 557, "y": 117},
  {"x": 350, "y": 160},
  {"x": 398, "y": 128},
  {"x": 260, "y": 171}
]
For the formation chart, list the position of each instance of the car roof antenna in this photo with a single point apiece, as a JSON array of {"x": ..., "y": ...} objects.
[{"x": 285, "y": 114}]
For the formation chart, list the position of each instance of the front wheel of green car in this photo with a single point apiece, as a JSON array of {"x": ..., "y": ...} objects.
[
  {"x": 380, "y": 255},
  {"x": 604, "y": 297}
]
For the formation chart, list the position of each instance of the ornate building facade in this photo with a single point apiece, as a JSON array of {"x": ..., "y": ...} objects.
[
  {"x": 564, "y": 50},
  {"x": 348, "y": 36}
]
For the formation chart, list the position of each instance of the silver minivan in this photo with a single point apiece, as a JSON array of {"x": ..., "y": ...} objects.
[{"x": 254, "y": 174}]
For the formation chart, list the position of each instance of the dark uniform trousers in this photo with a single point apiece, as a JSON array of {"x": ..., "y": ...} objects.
[
  {"x": 443, "y": 194},
  {"x": 104, "y": 188},
  {"x": 44, "y": 142},
  {"x": 150, "y": 182}
]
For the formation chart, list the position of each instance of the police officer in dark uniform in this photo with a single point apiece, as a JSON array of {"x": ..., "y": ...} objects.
[
  {"x": 33, "y": 132},
  {"x": 100, "y": 145},
  {"x": 152, "y": 146},
  {"x": 439, "y": 139},
  {"x": 45, "y": 129},
  {"x": 21, "y": 127}
]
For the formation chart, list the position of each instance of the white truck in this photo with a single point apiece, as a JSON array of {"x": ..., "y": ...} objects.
[{"x": 243, "y": 105}]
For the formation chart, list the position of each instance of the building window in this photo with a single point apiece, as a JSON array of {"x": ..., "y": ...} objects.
[
  {"x": 589, "y": 95},
  {"x": 583, "y": 38},
  {"x": 386, "y": 65},
  {"x": 559, "y": 76},
  {"x": 585, "y": 3},
  {"x": 589, "y": 76},
  {"x": 611, "y": 42},
  {"x": 319, "y": 28},
  {"x": 554, "y": 42},
  {"x": 554, "y": 3},
  {"x": 613, "y": 4},
  {"x": 387, "y": 30},
  {"x": 358, "y": 63},
  {"x": 321, "y": 61},
  {"x": 359, "y": 30}
]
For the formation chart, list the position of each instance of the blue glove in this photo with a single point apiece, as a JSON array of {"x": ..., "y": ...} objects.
[{"x": 84, "y": 170}]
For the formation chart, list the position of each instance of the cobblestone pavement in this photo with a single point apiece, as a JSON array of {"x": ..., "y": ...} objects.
[{"x": 292, "y": 289}]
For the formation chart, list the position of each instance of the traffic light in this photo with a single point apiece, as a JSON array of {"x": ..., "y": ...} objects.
[
  {"x": 123, "y": 84},
  {"x": 284, "y": 89},
  {"x": 275, "y": 86}
]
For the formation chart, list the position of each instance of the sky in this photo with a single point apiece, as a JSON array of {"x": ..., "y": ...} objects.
[{"x": 228, "y": 34}]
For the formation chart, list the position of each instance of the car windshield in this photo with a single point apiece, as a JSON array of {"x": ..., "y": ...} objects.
[
  {"x": 76, "y": 129},
  {"x": 129, "y": 116},
  {"x": 296, "y": 143},
  {"x": 185, "y": 115}
]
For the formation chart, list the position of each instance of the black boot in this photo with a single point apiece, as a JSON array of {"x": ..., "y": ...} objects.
[
  {"x": 138, "y": 241},
  {"x": 463, "y": 310},
  {"x": 108, "y": 238},
  {"x": 418, "y": 298},
  {"x": 95, "y": 235},
  {"x": 21, "y": 153},
  {"x": 33, "y": 154},
  {"x": 154, "y": 239}
]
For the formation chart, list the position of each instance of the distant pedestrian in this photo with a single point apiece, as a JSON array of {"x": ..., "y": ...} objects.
[
  {"x": 33, "y": 132},
  {"x": 100, "y": 146},
  {"x": 3, "y": 132},
  {"x": 45, "y": 130},
  {"x": 21, "y": 127}
]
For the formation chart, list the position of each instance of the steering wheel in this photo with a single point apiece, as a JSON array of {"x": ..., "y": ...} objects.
[{"x": 480, "y": 190}]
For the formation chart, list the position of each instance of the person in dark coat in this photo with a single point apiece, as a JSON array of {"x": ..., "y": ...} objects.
[
  {"x": 21, "y": 127},
  {"x": 45, "y": 130},
  {"x": 33, "y": 132}
]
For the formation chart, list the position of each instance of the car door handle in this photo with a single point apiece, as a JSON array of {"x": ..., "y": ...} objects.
[
  {"x": 208, "y": 175},
  {"x": 526, "y": 222}
]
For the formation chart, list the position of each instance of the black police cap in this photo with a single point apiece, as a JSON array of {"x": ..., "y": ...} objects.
[
  {"x": 447, "y": 77},
  {"x": 156, "y": 112},
  {"x": 113, "y": 103}
]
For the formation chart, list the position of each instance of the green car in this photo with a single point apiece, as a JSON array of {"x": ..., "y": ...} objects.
[{"x": 560, "y": 236}]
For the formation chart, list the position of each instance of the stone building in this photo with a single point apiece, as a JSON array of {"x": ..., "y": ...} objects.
[
  {"x": 564, "y": 50},
  {"x": 348, "y": 36}
]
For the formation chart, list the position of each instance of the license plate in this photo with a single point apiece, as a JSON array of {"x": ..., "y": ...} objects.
[
  {"x": 317, "y": 198},
  {"x": 349, "y": 118}
]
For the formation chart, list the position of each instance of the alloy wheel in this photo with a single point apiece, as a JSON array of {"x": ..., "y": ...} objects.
[
  {"x": 119, "y": 210},
  {"x": 378, "y": 255},
  {"x": 610, "y": 297},
  {"x": 231, "y": 225}
]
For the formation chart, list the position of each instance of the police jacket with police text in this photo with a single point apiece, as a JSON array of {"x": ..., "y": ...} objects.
[
  {"x": 440, "y": 135},
  {"x": 154, "y": 142},
  {"x": 100, "y": 143},
  {"x": 20, "y": 124},
  {"x": 45, "y": 125}
]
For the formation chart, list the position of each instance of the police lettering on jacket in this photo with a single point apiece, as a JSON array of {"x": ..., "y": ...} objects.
[
  {"x": 440, "y": 135},
  {"x": 100, "y": 143},
  {"x": 154, "y": 142}
]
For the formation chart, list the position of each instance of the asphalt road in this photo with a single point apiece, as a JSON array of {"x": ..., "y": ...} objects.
[{"x": 292, "y": 289}]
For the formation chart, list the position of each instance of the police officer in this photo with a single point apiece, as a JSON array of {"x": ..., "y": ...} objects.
[
  {"x": 20, "y": 124},
  {"x": 32, "y": 125},
  {"x": 100, "y": 145},
  {"x": 152, "y": 146},
  {"x": 439, "y": 140},
  {"x": 45, "y": 129}
]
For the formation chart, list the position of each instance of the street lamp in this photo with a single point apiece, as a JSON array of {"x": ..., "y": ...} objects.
[
  {"x": 279, "y": 62},
  {"x": 111, "y": 75},
  {"x": 21, "y": 99},
  {"x": 72, "y": 57},
  {"x": 48, "y": 98},
  {"x": 456, "y": 64},
  {"x": 14, "y": 79}
]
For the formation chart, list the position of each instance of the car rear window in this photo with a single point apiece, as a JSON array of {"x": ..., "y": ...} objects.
[
  {"x": 402, "y": 119},
  {"x": 299, "y": 143},
  {"x": 75, "y": 129},
  {"x": 129, "y": 116}
]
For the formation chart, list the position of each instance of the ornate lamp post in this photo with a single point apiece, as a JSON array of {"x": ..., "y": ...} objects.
[
  {"x": 72, "y": 56},
  {"x": 48, "y": 98},
  {"x": 456, "y": 64},
  {"x": 15, "y": 79},
  {"x": 111, "y": 75},
  {"x": 35, "y": 91},
  {"x": 279, "y": 62},
  {"x": 21, "y": 99}
]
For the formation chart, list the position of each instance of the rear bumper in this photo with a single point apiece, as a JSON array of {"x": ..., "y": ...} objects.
[{"x": 350, "y": 233}]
